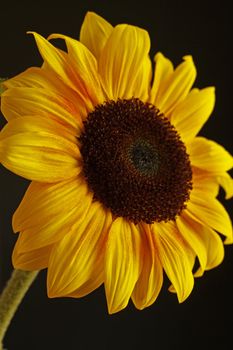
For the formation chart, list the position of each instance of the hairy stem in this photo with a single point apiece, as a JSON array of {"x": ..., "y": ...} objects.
[{"x": 12, "y": 296}]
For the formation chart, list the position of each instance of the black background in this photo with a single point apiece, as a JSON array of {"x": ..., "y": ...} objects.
[{"x": 177, "y": 28}]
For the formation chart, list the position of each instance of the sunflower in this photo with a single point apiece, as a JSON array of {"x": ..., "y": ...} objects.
[{"x": 123, "y": 190}]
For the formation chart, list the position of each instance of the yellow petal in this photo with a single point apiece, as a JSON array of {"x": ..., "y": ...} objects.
[
  {"x": 77, "y": 262},
  {"x": 32, "y": 77},
  {"x": 59, "y": 63},
  {"x": 142, "y": 83},
  {"x": 174, "y": 258},
  {"x": 204, "y": 241},
  {"x": 226, "y": 181},
  {"x": 31, "y": 150},
  {"x": 150, "y": 280},
  {"x": 163, "y": 71},
  {"x": 94, "y": 33},
  {"x": 191, "y": 258},
  {"x": 215, "y": 250},
  {"x": 121, "y": 62},
  {"x": 192, "y": 113},
  {"x": 204, "y": 182},
  {"x": 84, "y": 65},
  {"x": 192, "y": 232},
  {"x": 176, "y": 87},
  {"x": 55, "y": 59},
  {"x": 121, "y": 264},
  {"x": 47, "y": 79},
  {"x": 209, "y": 155},
  {"x": 48, "y": 211},
  {"x": 30, "y": 261},
  {"x": 211, "y": 213},
  {"x": 191, "y": 255},
  {"x": 36, "y": 124},
  {"x": 18, "y": 102},
  {"x": 208, "y": 182},
  {"x": 91, "y": 274}
]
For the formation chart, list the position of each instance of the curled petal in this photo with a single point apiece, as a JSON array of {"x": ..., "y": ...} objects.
[
  {"x": 84, "y": 65},
  {"x": 55, "y": 59},
  {"x": 226, "y": 181}
]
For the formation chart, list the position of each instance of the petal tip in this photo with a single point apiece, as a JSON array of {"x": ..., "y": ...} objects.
[
  {"x": 113, "y": 309},
  {"x": 158, "y": 55},
  {"x": 188, "y": 58},
  {"x": 51, "y": 292},
  {"x": 91, "y": 14},
  {"x": 31, "y": 32}
]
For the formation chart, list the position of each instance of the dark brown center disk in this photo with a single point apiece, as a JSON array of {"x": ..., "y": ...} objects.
[{"x": 135, "y": 162}]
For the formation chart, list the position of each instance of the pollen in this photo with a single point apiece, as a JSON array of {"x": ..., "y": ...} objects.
[{"x": 135, "y": 162}]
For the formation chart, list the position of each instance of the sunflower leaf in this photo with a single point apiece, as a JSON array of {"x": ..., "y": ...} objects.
[{"x": 1, "y": 86}]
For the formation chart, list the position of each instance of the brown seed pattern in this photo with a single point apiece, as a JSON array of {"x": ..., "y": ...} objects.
[{"x": 135, "y": 162}]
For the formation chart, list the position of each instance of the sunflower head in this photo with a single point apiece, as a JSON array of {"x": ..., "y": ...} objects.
[
  {"x": 123, "y": 189},
  {"x": 129, "y": 152}
]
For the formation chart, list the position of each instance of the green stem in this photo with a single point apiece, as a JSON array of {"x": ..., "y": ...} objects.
[{"x": 12, "y": 296}]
